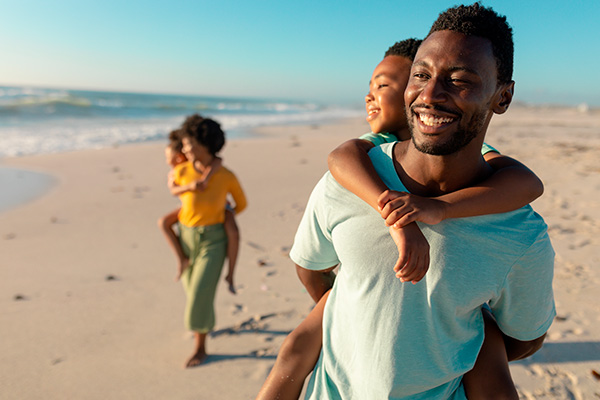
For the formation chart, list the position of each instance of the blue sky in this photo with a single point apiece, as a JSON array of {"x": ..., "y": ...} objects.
[{"x": 321, "y": 51}]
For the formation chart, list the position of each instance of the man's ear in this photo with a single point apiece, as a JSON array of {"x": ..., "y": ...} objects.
[{"x": 504, "y": 97}]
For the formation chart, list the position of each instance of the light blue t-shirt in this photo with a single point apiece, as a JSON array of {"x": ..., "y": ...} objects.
[
  {"x": 385, "y": 137},
  {"x": 383, "y": 339}
]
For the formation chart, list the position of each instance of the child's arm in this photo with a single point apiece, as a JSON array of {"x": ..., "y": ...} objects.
[
  {"x": 351, "y": 166},
  {"x": 200, "y": 184},
  {"x": 512, "y": 186},
  {"x": 208, "y": 172}
]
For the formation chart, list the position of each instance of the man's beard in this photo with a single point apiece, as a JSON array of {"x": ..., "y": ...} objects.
[{"x": 459, "y": 139}]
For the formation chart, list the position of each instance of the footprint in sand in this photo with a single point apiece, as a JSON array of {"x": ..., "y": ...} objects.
[{"x": 559, "y": 384}]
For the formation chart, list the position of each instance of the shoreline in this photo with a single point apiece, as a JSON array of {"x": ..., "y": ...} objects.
[
  {"x": 87, "y": 277},
  {"x": 29, "y": 185},
  {"x": 25, "y": 186}
]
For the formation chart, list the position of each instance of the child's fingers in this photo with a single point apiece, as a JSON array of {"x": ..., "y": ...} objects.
[
  {"x": 402, "y": 260},
  {"x": 403, "y": 220},
  {"x": 406, "y": 272},
  {"x": 422, "y": 268},
  {"x": 383, "y": 199}
]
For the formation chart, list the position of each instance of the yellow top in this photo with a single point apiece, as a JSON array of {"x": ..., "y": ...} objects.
[{"x": 207, "y": 207}]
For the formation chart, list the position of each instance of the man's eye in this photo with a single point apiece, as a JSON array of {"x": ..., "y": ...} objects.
[
  {"x": 419, "y": 75},
  {"x": 457, "y": 81},
  {"x": 381, "y": 85}
]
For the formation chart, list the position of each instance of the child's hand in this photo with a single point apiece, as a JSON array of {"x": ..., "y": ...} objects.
[
  {"x": 413, "y": 253},
  {"x": 184, "y": 263},
  {"x": 171, "y": 180},
  {"x": 229, "y": 280},
  {"x": 199, "y": 185},
  {"x": 400, "y": 209}
]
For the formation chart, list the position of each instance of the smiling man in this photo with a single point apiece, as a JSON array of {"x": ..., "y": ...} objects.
[{"x": 386, "y": 340}]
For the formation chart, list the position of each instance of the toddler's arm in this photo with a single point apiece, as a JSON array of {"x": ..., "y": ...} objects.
[
  {"x": 208, "y": 172},
  {"x": 512, "y": 186},
  {"x": 200, "y": 184},
  {"x": 351, "y": 166}
]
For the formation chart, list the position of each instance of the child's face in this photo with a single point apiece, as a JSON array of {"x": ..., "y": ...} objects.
[
  {"x": 173, "y": 157},
  {"x": 385, "y": 101}
]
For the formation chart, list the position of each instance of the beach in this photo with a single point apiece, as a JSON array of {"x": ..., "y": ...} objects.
[{"x": 90, "y": 308}]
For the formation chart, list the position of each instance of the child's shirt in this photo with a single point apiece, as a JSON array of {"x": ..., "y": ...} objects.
[
  {"x": 385, "y": 137},
  {"x": 207, "y": 207}
]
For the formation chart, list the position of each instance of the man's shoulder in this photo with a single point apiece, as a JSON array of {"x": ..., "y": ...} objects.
[
  {"x": 378, "y": 139},
  {"x": 514, "y": 232}
]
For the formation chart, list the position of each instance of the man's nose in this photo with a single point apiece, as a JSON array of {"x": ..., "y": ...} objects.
[
  {"x": 433, "y": 91},
  {"x": 369, "y": 97}
]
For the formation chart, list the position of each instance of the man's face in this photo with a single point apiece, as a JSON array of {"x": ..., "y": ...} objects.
[
  {"x": 452, "y": 84},
  {"x": 385, "y": 100}
]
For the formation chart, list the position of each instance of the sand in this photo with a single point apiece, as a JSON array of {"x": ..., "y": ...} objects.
[{"x": 89, "y": 308}]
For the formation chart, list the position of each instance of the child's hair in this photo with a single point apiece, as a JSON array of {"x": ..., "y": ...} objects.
[
  {"x": 175, "y": 143},
  {"x": 405, "y": 48},
  {"x": 205, "y": 131},
  {"x": 477, "y": 20}
]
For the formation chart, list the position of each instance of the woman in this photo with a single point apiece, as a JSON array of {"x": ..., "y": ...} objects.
[{"x": 201, "y": 220}]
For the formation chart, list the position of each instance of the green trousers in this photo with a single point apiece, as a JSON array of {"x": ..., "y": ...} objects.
[{"x": 206, "y": 247}]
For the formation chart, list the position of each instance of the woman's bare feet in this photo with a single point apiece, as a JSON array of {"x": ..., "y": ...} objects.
[
  {"x": 195, "y": 360},
  {"x": 200, "y": 355}
]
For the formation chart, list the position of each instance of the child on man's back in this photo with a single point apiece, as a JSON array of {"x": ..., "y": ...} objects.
[
  {"x": 351, "y": 167},
  {"x": 174, "y": 156}
]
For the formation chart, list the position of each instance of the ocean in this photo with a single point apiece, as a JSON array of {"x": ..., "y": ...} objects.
[{"x": 42, "y": 120}]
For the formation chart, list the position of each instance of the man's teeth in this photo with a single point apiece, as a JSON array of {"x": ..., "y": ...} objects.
[
  {"x": 372, "y": 112},
  {"x": 432, "y": 120}
]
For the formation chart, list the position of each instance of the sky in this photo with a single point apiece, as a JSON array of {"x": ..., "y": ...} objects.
[{"x": 319, "y": 51}]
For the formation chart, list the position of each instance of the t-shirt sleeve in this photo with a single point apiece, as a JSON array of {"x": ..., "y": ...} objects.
[
  {"x": 486, "y": 148},
  {"x": 313, "y": 248},
  {"x": 377, "y": 139},
  {"x": 524, "y": 308}
]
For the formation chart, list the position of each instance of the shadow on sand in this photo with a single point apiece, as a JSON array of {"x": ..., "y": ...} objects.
[{"x": 563, "y": 352}]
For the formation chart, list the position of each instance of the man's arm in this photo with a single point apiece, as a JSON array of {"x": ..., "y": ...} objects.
[{"x": 317, "y": 283}]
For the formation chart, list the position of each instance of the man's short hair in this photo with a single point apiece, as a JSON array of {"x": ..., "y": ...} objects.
[
  {"x": 405, "y": 48},
  {"x": 205, "y": 131},
  {"x": 477, "y": 20}
]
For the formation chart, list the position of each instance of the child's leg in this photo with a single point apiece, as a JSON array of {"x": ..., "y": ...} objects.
[
  {"x": 233, "y": 244},
  {"x": 166, "y": 225},
  {"x": 490, "y": 377},
  {"x": 297, "y": 357}
]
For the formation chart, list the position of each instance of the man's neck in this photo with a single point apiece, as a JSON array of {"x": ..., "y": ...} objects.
[{"x": 429, "y": 176}]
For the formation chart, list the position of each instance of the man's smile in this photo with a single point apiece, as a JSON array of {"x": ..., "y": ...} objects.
[{"x": 434, "y": 120}]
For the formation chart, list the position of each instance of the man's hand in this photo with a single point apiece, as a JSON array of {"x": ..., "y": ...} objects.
[
  {"x": 413, "y": 253},
  {"x": 400, "y": 209}
]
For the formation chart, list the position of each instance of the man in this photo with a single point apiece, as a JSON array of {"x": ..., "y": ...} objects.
[{"x": 384, "y": 339}]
